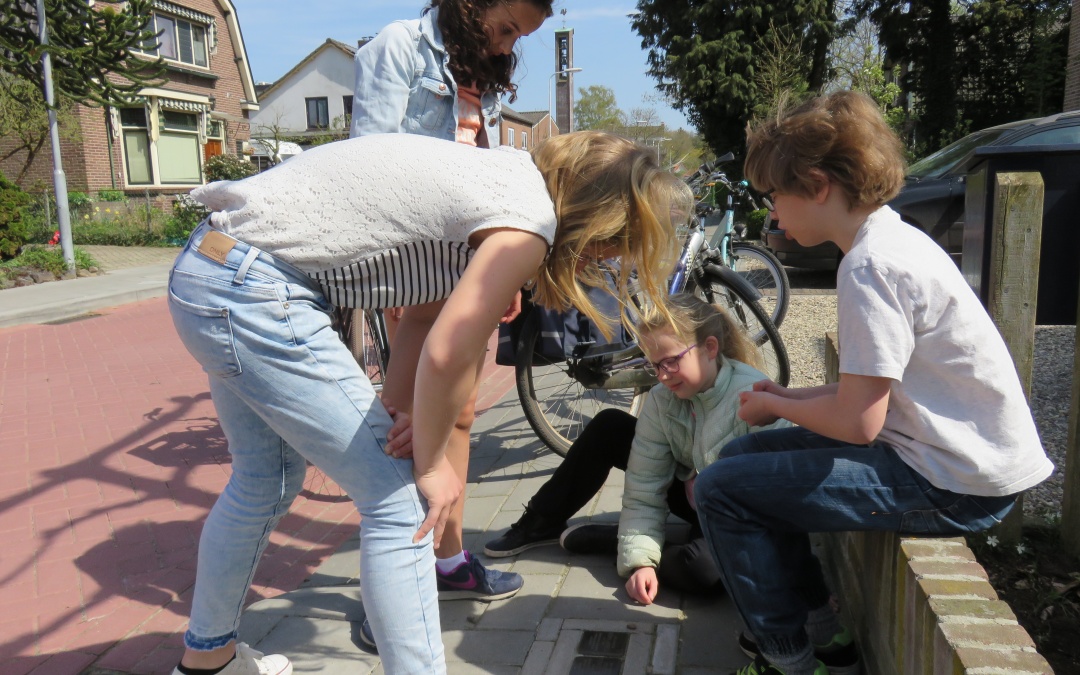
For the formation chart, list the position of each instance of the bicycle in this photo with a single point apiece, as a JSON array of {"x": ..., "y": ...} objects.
[
  {"x": 364, "y": 333},
  {"x": 755, "y": 264},
  {"x": 560, "y": 397}
]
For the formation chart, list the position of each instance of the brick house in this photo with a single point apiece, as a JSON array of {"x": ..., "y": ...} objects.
[
  {"x": 524, "y": 130},
  {"x": 160, "y": 143}
]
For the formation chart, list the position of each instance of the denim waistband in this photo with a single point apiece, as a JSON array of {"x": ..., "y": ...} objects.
[{"x": 230, "y": 252}]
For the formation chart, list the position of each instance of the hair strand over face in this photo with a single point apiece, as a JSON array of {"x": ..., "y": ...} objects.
[{"x": 607, "y": 191}]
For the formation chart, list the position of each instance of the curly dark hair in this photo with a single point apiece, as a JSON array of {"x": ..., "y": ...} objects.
[{"x": 462, "y": 25}]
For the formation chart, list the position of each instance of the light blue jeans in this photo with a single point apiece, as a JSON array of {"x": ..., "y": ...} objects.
[
  {"x": 287, "y": 389},
  {"x": 769, "y": 489}
]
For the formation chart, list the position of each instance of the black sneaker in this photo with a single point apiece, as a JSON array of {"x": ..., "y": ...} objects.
[
  {"x": 840, "y": 655},
  {"x": 367, "y": 638},
  {"x": 762, "y": 667},
  {"x": 591, "y": 539},
  {"x": 530, "y": 530}
]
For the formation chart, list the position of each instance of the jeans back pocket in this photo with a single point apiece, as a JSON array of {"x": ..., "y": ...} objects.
[{"x": 207, "y": 333}]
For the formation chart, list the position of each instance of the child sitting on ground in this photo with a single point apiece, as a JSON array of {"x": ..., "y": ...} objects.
[
  {"x": 927, "y": 432},
  {"x": 702, "y": 362}
]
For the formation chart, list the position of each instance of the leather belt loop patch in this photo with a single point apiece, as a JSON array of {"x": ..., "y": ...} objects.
[{"x": 216, "y": 246}]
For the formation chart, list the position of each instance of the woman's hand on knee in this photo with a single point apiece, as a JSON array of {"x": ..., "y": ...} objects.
[
  {"x": 399, "y": 438},
  {"x": 643, "y": 585},
  {"x": 442, "y": 488}
]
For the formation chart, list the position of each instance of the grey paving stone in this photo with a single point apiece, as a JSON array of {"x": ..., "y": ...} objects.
[
  {"x": 536, "y": 663},
  {"x": 708, "y": 635},
  {"x": 549, "y": 630},
  {"x": 337, "y": 603},
  {"x": 495, "y": 647},
  {"x": 591, "y": 593},
  {"x": 479, "y": 512},
  {"x": 525, "y": 610},
  {"x": 342, "y": 567},
  {"x": 319, "y": 646},
  {"x": 665, "y": 650},
  {"x": 490, "y": 488},
  {"x": 548, "y": 559},
  {"x": 637, "y": 657}
]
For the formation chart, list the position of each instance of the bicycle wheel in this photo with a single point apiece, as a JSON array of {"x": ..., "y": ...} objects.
[
  {"x": 368, "y": 343},
  {"x": 765, "y": 273},
  {"x": 556, "y": 405},
  {"x": 772, "y": 353}
]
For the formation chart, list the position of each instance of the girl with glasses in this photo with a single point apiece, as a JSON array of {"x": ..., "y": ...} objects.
[{"x": 703, "y": 361}]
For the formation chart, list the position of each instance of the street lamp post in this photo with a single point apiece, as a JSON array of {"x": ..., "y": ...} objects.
[{"x": 551, "y": 79}]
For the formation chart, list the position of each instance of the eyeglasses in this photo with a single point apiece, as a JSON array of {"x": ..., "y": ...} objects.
[
  {"x": 669, "y": 365},
  {"x": 767, "y": 200}
]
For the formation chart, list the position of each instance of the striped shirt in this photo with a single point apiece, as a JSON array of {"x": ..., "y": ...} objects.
[{"x": 383, "y": 220}]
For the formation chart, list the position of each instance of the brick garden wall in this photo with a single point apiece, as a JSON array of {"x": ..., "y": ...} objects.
[{"x": 923, "y": 606}]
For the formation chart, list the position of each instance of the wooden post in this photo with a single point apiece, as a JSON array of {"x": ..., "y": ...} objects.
[
  {"x": 1016, "y": 238},
  {"x": 1070, "y": 506}
]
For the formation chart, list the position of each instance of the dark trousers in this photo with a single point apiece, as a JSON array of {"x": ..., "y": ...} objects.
[{"x": 604, "y": 444}]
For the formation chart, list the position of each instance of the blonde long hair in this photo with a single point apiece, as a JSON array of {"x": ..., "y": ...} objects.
[
  {"x": 693, "y": 320},
  {"x": 610, "y": 192}
]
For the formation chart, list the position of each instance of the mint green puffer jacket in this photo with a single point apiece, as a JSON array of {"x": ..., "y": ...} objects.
[{"x": 676, "y": 438}]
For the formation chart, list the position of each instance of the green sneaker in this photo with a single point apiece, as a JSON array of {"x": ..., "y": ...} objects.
[
  {"x": 839, "y": 655},
  {"x": 762, "y": 667}
]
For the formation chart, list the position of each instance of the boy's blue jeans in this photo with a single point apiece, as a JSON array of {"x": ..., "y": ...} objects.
[{"x": 769, "y": 489}]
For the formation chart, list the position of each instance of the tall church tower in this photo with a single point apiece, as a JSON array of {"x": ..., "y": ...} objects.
[{"x": 564, "y": 82}]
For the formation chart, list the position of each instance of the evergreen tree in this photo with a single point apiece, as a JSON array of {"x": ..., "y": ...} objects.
[
  {"x": 91, "y": 48},
  {"x": 705, "y": 55}
]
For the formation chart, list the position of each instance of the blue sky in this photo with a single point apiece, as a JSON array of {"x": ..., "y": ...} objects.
[{"x": 277, "y": 36}]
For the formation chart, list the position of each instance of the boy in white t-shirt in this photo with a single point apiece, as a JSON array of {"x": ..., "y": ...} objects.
[{"x": 928, "y": 430}]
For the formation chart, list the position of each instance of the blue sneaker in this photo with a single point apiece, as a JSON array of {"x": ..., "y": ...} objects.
[
  {"x": 472, "y": 581},
  {"x": 367, "y": 638}
]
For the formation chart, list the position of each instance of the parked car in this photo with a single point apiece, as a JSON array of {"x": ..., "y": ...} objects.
[{"x": 932, "y": 198}]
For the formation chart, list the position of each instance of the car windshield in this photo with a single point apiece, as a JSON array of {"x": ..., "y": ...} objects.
[{"x": 942, "y": 161}]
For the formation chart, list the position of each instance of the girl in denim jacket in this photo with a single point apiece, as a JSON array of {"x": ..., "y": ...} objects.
[{"x": 443, "y": 76}]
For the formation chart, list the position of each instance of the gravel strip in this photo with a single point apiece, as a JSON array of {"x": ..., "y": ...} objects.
[{"x": 810, "y": 316}]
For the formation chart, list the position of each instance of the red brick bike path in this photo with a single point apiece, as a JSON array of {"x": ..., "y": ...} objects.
[{"x": 110, "y": 458}]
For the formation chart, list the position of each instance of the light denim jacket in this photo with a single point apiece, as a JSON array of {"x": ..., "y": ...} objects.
[{"x": 404, "y": 85}]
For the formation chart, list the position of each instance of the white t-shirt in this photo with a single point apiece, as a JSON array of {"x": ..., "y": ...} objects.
[
  {"x": 957, "y": 413},
  {"x": 383, "y": 220}
]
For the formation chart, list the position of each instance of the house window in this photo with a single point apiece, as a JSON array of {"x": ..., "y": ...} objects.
[
  {"x": 136, "y": 146},
  {"x": 178, "y": 153},
  {"x": 524, "y": 140},
  {"x": 510, "y": 137},
  {"x": 175, "y": 158},
  {"x": 346, "y": 104},
  {"x": 318, "y": 113},
  {"x": 178, "y": 40}
]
